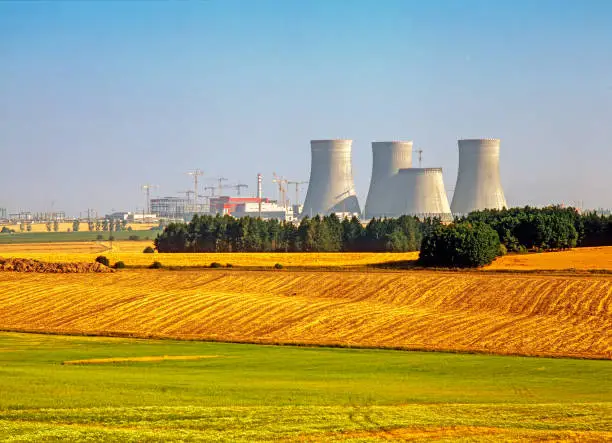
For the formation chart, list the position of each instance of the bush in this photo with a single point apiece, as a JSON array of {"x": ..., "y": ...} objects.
[
  {"x": 278, "y": 266},
  {"x": 502, "y": 250},
  {"x": 215, "y": 265},
  {"x": 465, "y": 245},
  {"x": 133, "y": 238},
  {"x": 6, "y": 230},
  {"x": 521, "y": 249},
  {"x": 229, "y": 265},
  {"x": 148, "y": 250},
  {"x": 111, "y": 238},
  {"x": 119, "y": 265},
  {"x": 156, "y": 265},
  {"x": 99, "y": 237},
  {"x": 102, "y": 260}
]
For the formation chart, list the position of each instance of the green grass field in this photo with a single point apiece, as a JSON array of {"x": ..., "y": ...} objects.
[
  {"x": 249, "y": 392},
  {"x": 51, "y": 237}
]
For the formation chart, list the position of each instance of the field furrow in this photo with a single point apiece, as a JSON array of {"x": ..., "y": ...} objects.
[{"x": 506, "y": 314}]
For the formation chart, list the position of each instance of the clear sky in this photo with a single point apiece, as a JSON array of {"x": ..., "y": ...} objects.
[{"x": 97, "y": 98}]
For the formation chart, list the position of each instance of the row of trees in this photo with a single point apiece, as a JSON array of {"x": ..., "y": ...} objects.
[
  {"x": 319, "y": 234},
  {"x": 474, "y": 240},
  {"x": 551, "y": 228},
  {"x": 104, "y": 225}
]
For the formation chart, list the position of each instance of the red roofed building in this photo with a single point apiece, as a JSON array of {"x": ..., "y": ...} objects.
[{"x": 227, "y": 205}]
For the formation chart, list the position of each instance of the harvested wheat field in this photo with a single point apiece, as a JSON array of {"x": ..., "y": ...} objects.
[
  {"x": 130, "y": 252},
  {"x": 579, "y": 259},
  {"x": 480, "y": 312}
]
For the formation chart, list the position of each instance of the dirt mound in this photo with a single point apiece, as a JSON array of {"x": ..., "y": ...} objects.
[{"x": 27, "y": 265}]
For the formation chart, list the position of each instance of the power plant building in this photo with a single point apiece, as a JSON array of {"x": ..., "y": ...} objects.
[
  {"x": 331, "y": 188},
  {"x": 478, "y": 180},
  {"x": 420, "y": 192},
  {"x": 170, "y": 207},
  {"x": 385, "y": 191}
]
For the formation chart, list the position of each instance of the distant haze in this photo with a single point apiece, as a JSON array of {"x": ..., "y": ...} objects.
[{"x": 98, "y": 98}]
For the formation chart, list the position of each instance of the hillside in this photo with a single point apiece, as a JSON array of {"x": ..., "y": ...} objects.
[{"x": 504, "y": 314}]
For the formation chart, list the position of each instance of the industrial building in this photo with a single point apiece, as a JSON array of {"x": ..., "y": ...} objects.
[
  {"x": 478, "y": 181},
  {"x": 169, "y": 207},
  {"x": 250, "y": 207},
  {"x": 387, "y": 160},
  {"x": 331, "y": 188},
  {"x": 226, "y": 205},
  {"x": 269, "y": 210}
]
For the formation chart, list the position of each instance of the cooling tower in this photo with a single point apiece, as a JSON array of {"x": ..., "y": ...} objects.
[
  {"x": 423, "y": 193},
  {"x": 387, "y": 159},
  {"x": 478, "y": 183},
  {"x": 331, "y": 188}
]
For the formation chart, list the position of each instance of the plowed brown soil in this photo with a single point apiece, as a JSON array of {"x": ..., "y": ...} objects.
[{"x": 28, "y": 265}]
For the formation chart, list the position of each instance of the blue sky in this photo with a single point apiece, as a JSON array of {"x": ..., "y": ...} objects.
[{"x": 97, "y": 98}]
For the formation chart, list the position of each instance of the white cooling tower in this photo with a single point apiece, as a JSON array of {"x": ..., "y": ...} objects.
[
  {"x": 387, "y": 159},
  {"x": 422, "y": 193},
  {"x": 478, "y": 183},
  {"x": 331, "y": 188}
]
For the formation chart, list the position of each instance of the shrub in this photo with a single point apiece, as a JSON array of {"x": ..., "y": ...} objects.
[
  {"x": 502, "y": 250},
  {"x": 278, "y": 266},
  {"x": 464, "y": 244},
  {"x": 148, "y": 250},
  {"x": 229, "y": 265},
  {"x": 102, "y": 260},
  {"x": 111, "y": 238},
  {"x": 156, "y": 265},
  {"x": 133, "y": 238},
  {"x": 215, "y": 265},
  {"x": 119, "y": 265},
  {"x": 6, "y": 230},
  {"x": 99, "y": 237}
]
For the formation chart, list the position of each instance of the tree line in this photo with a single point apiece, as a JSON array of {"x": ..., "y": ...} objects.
[
  {"x": 480, "y": 237},
  {"x": 473, "y": 240},
  {"x": 218, "y": 233}
]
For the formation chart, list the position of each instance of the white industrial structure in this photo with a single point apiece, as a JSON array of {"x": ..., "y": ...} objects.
[
  {"x": 478, "y": 182},
  {"x": 387, "y": 159},
  {"x": 331, "y": 188},
  {"x": 420, "y": 192},
  {"x": 264, "y": 210}
]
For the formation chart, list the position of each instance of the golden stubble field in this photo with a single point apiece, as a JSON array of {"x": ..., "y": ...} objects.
[
  {"x": 130, "y": 252},
  {"x": 477, "y": 312}
]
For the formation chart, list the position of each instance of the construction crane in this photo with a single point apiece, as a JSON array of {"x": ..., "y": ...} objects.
[
  {"x": 282, "y": 190},
  {"x": 238, "y": 186},
  {"x": 297, "y": 190},
  {"x": 211, "y": 189},
  {"x": 196, "y": 173},
  {"x": 420, "y": 152},
  {"x": 147, "y": 189},
  {"x": 220, "y": 180}
]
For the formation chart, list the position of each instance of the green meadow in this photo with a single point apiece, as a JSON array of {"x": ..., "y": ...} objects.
[{"x": 238, "y": 392}]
